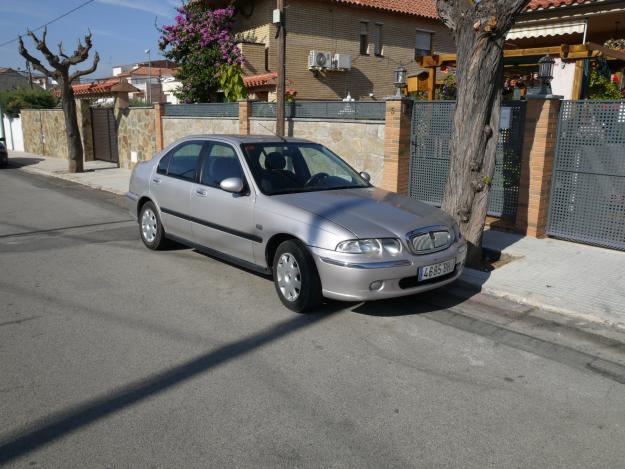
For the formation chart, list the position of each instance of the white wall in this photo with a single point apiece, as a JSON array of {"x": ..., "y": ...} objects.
[
  {"x": 563, "y": 77},
  {"x": 13, "y": 133}
]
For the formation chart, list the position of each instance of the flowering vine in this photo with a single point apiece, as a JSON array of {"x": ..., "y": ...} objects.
[{"x": 202, "y": 43}]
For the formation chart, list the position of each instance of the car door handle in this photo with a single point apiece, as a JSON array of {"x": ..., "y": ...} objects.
[
  {"x": 156, "y": 180},
  {"x": 201, "y": 192}
]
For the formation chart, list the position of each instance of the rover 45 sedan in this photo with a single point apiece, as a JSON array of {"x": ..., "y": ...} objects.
[{"x": 294, "y": 209}]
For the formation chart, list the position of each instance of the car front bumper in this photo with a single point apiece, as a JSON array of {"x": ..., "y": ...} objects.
[{"x": 349, "y": 277}]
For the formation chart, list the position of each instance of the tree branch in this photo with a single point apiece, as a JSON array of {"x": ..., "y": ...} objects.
[
  {"x": 82, "y": 51},
  {"x": 61, "y": 51},
  {"x": 80, "y": 73},
  {"x": 37, "y": 65},
  {"x": 52, "y": 59}
]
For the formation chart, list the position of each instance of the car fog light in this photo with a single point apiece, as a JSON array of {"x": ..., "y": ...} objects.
[{"x": 377, "y": 285}]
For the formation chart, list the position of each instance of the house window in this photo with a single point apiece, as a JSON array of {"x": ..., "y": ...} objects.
[
  {"x": 364, "y": 38},
  {"x": 378, "y": 39},
  {"x": 423, "y": 45}
]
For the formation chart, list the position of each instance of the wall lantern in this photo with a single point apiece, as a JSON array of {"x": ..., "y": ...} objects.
[
  {"x": 545, "y": 74},
  {"x": 400, "y": 80}
]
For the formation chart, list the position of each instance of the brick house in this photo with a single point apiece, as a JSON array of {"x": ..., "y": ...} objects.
[{"x": 379, "y": 35}]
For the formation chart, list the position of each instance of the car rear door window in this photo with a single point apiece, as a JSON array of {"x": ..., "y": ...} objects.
[
  {"x": 184, "y": 160},
  {"x": 221, "y": 163}
]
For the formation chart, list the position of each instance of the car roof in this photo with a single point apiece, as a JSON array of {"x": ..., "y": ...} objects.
[{"x": 239, "y": 139}]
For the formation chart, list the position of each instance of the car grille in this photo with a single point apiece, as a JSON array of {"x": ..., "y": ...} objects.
[{"x": 427, "y": 240}]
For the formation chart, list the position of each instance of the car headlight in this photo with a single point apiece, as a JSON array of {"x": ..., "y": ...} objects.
[{"x": 371, "y": 247}]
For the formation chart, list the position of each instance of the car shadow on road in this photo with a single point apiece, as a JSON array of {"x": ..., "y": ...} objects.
[
  {"x": 20, "y": 161},
  {"x": 421, "y": 303}
]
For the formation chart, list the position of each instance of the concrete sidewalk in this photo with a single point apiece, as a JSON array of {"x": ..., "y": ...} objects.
[
  {"x": 100, "y": 175},
  {"x": 558, "y": 276}
]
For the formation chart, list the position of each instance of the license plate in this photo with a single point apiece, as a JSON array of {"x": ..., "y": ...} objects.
[{"x": 437, "y": 270}]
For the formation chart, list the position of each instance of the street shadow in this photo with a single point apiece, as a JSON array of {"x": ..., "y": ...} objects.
[
  {"x": 21, "y": 161},
  {"x": 60, "y": 424},
  {"x": 432, "y": 301}
]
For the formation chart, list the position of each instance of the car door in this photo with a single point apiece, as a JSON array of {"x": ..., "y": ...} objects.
[
  {"x": 223, "y": 221},
  {"x": 171, "y": 187}
]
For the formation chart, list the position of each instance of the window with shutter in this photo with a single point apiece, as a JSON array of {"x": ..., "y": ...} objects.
[
  {"x": 423, "y": 45},
  {"x": 364, "y": 38}
]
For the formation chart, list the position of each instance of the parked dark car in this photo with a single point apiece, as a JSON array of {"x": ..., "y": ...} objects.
[{"x": 4, "y": 155}]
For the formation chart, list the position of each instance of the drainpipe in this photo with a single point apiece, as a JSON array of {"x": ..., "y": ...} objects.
[{"x": 585, "y": 30}]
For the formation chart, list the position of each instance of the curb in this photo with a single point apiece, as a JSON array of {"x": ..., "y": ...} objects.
[{"x": 524, "y": 300}]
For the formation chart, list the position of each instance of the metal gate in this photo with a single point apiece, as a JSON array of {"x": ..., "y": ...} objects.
[
  {"x": 588, "y": 189},
  {"x": 432, "y": 123},
  {"x": 104, "y": 134}
]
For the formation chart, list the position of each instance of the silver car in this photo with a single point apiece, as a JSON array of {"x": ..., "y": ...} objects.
[{"x": 293, "y": 209}]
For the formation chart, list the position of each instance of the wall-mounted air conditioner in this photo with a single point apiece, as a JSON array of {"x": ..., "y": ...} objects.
[
  {"x": 319, "y": 60},
  {"x": 342, "y": 62}
]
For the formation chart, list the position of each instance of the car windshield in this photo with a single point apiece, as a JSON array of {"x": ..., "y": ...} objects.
[{"x": 282, "y": 168}]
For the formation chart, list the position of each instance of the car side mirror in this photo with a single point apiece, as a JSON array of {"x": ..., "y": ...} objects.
[
  {"x": 366, "y": 176},
  {"x": 234, "y": 185}
]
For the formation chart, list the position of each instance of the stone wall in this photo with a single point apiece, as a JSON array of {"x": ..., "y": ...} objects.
[
  {"x": 44, "y": 132},
  {"x": 178, "y": 127},
  {"x": 136, "y": 132},
  {"x": 360, "y": 143}
]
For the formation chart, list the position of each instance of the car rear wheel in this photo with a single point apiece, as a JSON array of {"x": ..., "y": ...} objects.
[
  {"x": 296, "y": 278},
  {"x": 151, "y": 228}
]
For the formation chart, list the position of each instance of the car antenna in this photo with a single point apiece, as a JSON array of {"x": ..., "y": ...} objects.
[{"x": 273, "y": 133}]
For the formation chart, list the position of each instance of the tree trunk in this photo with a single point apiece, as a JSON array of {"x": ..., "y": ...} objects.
[
  {"x": 74, "y": 142},
  {"x": 479, "y": 29}
]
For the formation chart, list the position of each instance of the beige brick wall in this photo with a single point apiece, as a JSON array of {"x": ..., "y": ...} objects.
[
  {"x": 327, "y": 26},
  {"x": 178, "y": 127}
]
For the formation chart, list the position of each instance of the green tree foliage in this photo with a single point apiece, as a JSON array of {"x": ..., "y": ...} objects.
[
  {"x": 13, "y": 101},
  {"x": 601, "y": 87},
  {"x": 205, "y": 51}
]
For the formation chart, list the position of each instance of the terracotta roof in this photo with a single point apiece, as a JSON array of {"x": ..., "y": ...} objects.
[
  {"x": 259, "y": 80},
  {"x": 547, "y": 4},
  {"x": 424, "y": 8},
  {"x": 102, "y": 87}
]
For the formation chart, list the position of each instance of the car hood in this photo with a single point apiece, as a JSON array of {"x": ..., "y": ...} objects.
[{"x": 369, "y": 212}]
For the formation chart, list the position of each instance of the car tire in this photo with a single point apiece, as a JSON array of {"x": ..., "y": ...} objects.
[
  {"x": 151, "y": 228},
  {"x": 296, "y": 278}
]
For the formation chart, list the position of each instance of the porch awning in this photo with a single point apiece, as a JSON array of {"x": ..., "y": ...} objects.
[{"x": 521, "y": 31}]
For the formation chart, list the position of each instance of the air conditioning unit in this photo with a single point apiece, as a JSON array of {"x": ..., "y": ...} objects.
[
  {"x": 319, "y": 60},
  {"x": 342, "y": 62}
]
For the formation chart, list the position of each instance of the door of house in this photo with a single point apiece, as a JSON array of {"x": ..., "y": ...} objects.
[
  {"x": 104, "y": 134},
  {"x": 588, "y": 188}
]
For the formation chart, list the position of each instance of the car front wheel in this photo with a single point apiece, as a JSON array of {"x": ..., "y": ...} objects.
[
  {"x": 151, "y": 228},
  {"x": 295, "y": 277}
]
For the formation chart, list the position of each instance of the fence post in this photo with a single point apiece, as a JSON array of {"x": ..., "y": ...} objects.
[
  {"x": 245, "y": 112},
  {"x": 159, "y": 112},
  {"x": 397, "y": 135},
  {"x": 539, "y": 149}
]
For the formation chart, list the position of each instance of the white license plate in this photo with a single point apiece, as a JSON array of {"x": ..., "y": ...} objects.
[{"x": 437, "y": 270}]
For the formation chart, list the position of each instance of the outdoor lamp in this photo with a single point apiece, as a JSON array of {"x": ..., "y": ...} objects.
[
  {"x": 545, "y": 73},
  {"x": 400, "y": 79}
]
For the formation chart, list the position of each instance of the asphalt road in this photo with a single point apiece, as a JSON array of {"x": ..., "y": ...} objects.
[{"x": 115, "y": 356}]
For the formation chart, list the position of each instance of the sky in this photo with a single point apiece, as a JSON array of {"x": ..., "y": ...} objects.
[{"x": 122, "y": 29}]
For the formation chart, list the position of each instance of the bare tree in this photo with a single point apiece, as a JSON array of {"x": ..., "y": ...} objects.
[
  {"x": 61, "y": 64},
  {"x": 480, "y": 28}
]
